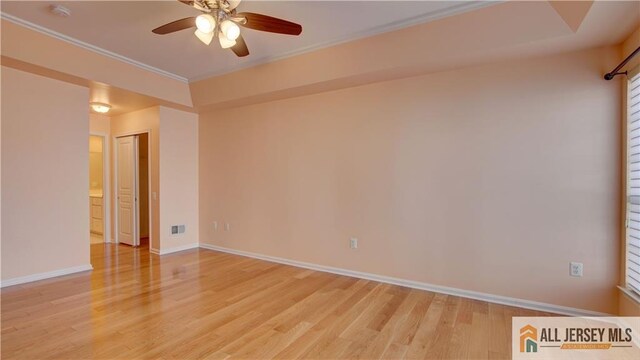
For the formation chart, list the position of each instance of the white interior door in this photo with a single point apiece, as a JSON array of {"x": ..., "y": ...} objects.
[{"x": 127, "y": 160}]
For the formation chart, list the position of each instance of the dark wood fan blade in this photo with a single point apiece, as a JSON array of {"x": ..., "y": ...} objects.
[
  {"x": 270, "y": 24},
  {"x": 240, "y": 48},
  {"x": 175, "y": 26}
]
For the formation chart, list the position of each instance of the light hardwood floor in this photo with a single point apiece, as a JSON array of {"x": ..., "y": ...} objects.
[
  {"x": 96, "y": 238},
  {"x": 206, "y": 304}
]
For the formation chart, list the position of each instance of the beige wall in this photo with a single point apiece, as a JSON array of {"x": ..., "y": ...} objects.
[
  {"x": 133, "y": 123},
  {"x": 489, "y": 178},
  {"x": 630, "y": 44},
  {"x": 32, "y": 47},
  {"x": 45, "y": 175},
  {"x": 174, "y": 171},
  {"x": 99, "y": 123},
  {"x": 628, "y": 306},
  {"x": 179, "y": 177}
]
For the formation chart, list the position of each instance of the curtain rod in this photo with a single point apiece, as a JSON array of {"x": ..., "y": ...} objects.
[{"x": 614, "y": 72}]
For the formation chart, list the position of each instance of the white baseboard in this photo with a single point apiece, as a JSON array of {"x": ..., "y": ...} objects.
[
  {"x": 178, "y": 248},
  {"x": 497, "y": 299},
  {"x": 45, "y": 275},
  {"x": 154, "y": 251}
]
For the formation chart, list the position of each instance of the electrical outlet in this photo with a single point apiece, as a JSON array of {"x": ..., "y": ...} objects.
[
  {"x": 227, "y": 227},
  {"x": 575, "y": 269},
  {"x": 353, "y": 243},
  {"x": 215, "y": 226}
]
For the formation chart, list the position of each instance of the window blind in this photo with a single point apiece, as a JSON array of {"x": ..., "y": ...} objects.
[{"x": 633, "y": 185}]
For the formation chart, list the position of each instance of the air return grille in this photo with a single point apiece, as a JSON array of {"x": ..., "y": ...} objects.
[{"x": 177, "y": 229}]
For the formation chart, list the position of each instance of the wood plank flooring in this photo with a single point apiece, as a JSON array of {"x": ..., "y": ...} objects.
[{"x": 202, "y": 304}]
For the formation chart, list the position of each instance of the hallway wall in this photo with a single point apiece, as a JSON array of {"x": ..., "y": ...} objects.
[
  {"x": 45, "y": 162},
  {"x": 128, "y": 124}
]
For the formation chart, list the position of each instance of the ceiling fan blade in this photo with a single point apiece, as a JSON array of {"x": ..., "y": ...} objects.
[
  {"x": 175, "y": 26},
  {"x": 240, "y": 48},
  {"x": 270, "y": 24}
]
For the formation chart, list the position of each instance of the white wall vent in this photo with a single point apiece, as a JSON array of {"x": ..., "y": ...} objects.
[{"x": 177, "y": 229}]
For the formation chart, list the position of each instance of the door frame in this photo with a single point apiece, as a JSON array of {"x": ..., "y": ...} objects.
[
  {"x": 106, "y": 185},
  {"x": 115, "y": 185}
]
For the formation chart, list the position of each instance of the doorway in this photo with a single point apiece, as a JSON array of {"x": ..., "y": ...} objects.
[
  {"x": 132, "y": 190},
  {"x": 97, "y": 187}
]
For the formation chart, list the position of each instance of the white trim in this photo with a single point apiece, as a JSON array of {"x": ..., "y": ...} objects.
[
  {"x": 136, "y": 179},
  {"x": 396, "y": 25},
  {"x": 45, "y": 275},
  {"x": 116, "y": 239},
  {"x": 87, "y": 46},
  {"x": 497, "y": 299},
  {"x": 178, "y": 248},
  {"x": 630, "y": 294},
  {"x": 150, "y": 199},
  {"x": 154, "y": 251},
  {"x": 631, "y": 73}
]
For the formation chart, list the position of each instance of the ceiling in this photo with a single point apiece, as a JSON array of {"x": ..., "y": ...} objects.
[{"x": 124, "y": 28}]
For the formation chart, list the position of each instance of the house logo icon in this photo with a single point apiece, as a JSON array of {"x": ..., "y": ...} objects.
[{"x": 528, "y": 339}]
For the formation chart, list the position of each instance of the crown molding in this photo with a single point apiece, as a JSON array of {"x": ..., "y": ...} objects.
[
  {"x": 396, "y": 25},
  {"x": 43, "y": 30}
]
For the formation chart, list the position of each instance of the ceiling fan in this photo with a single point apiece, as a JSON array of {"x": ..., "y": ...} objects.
[{"x": 219, "y": 19}]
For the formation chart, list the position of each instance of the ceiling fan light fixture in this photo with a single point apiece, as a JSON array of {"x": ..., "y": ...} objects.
[
  {"x": 100, "y": 108},
  {"x": 205, "y": 23},
  {"x": 204, "y": 37},
  {"x": 226, "y": 43},
  {"x": 219, "y": 19},
  {"x": 230, "y": 30}
]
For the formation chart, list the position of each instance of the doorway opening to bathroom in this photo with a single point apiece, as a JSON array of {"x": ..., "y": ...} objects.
[{"x": 98, "y": 188}]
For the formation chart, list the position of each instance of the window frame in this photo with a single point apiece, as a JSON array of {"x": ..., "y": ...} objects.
[{"x": 632, "y": 75}]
